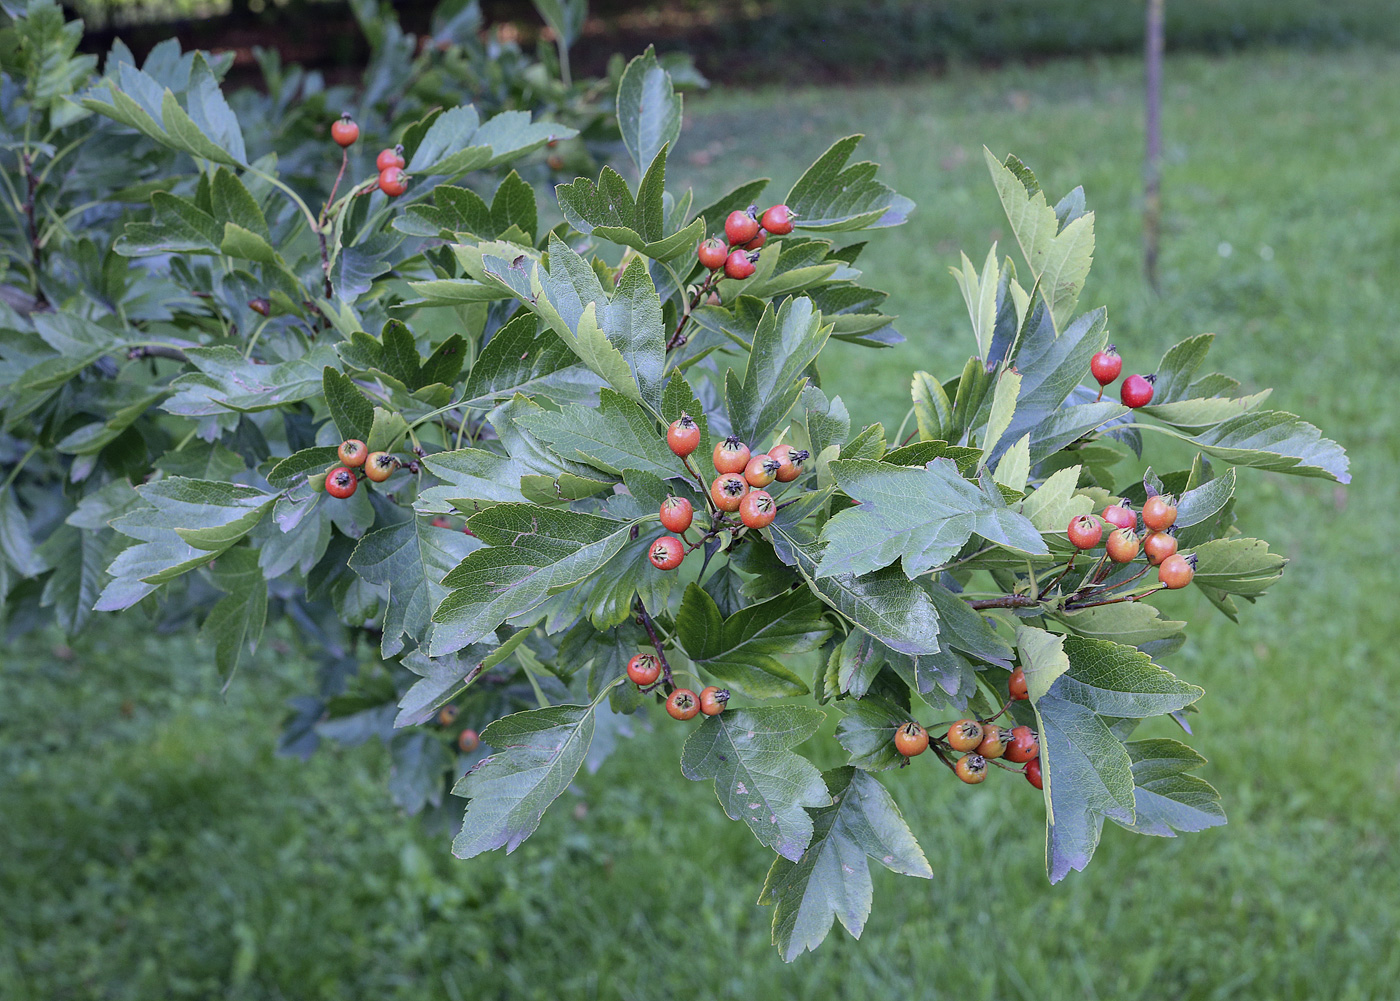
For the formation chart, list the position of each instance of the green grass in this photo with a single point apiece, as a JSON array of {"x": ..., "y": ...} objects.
[{"x": 164, "y": 852}]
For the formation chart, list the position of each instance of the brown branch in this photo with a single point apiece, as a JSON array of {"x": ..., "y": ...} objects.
[
  {"x": 645, "y": 620},
  {"x": 157, "y": 351},
  {"x": 1010, "y": 601}
]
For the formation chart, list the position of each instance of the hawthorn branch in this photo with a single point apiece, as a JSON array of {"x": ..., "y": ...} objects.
[
  {"x": 678, "y": 338},
  {"x": 157, "y": 351},
  {"x": 645, "y": 620},
  {"x": 1010, "y": 601}
]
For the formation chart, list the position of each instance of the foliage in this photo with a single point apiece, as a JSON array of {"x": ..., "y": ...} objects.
[{"x": 170, "y": 440}]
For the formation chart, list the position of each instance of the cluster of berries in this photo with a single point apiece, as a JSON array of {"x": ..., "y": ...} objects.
[
  {"x": 354, "y": 456},
  {"x": 390, "y": 162},
  {"x": 980, "y": 742},
  {"x": 468, "y": 740},
  {"x": 738, "y": 487},
  {"x": 1174, "y": 570},
  {"x": 644, "y": 671},
  {"x": 744, "y": 231},
  {"x": 1136, "y": 390}
]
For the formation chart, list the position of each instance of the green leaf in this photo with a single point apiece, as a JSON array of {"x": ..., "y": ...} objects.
[
  {"x": 523, "y": 359},
  {"x": 615, "y": 435},
  {"x": 532, "y": 552},
  {"x": 177, "y": 226},
  {"x": 1003, "y": 409},
  {"x": 1237, "y": 566},
  {"x": 470, "y": 475},
  {"x": 1059, "y": 257},
  {"x": 648, "y": 109},
  {"x": 980, "y": 296},
  {"x": 867, "y": 732},
  {"x": 514, "y": 205},
  {"x": 1118, "y": 681},
  {"x": 832, "y": 878},
  {"x": 536, "y": 755},
  {"x": 410, "y": 559},
  {"x": 784, "y": 345},
  {"x": 919, "y": 516},
  {"x": 1205, "y": 501},
  {"x": 1051, "y": 505},
  {"x": 1273, "y": 440},
  {"x": 386, "y": 430},
  {"x": 207, "y": 514},
  {"x": 1042, "y": 658},
  {"x": 235, "y": 623},
  {"x": 418, "y": 762},
  {"x": 298, "y": 465},
  {"x": 350, "y": 409},
  {"x": 743, "y": 649},
  {"x": 758, "y": 777},
  {"x": 456, "y": 142},
  {"x": 1130, "y": 622},
  {"x": 229, "y": 383},
  {"x": 831, "y": 197},
  {"x": 1014, "y": 467},
  {"x": 79, "y": 560},
  {"x": 932, "y": 409},
  {"x": 1167, "y": 799},
  {"x": 16, "y": 540}
]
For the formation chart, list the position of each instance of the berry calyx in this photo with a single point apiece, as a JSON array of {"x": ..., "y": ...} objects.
[
  {"x": 731, "y": 456},
  {"x": 1120, "y": 515},
  {"x": 761, "y": 470},
  {"x": 994, "y": 741},
  {"x": 911, "y": 739},
  {"x": 683, "y": 436},
  {"x": 1159, "y": 513},
  {"x": 643, "y": 669},
  {"x": 728, "y": 490},
  {"x": 965, "y": 735},
  {"x": 757, "y": 509},
  {"x": 667, "y": 553},
  {"x": 789, "y": 461},
  {"x": 1085, "y": 531},
  {"x": 739, "y": 264},
  {"x": 390, "y": 158},
  {"x": 971, "y": 768},
  {"x": 345, "y": 131},
  {"x": 712, "y": 253},
  {"x": 740, "y": 227},
  {"x": 1016, "y": 685},
  {"x": 468, "y": 741},
  {"x": 677, "y": 514},
  {"x": 683, "y": 704},
  {"x": 1032, "y": 773},
  {"x": 1122, "y": 545},
  {"x": 1106, "y": 365},
  {"x": 1176, "y": 571},
  {"x": 379, "y": 466},
  {"x": 352, "y": 453},
  {"x": 777, "y": 220},
  {"x": 713, "y": 700},
  {"x": 1159, "y": 546},
  {"x": 341, "y": 482},
  {"x": 1024, "y": 745},
  {"x": 1137, "y": 390},
  {"x": 393, "y": 182},
  {"x": 448, "y": 714}
]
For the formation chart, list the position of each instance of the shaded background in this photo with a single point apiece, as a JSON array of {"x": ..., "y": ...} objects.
[{"x": 152, "y": 846}]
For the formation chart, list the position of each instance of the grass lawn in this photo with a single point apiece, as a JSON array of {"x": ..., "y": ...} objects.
[{"x": 152, "y": 847}]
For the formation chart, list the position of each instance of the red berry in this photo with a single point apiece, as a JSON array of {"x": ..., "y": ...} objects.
[
  {"x": 1106, "y": 365},
  {"x": 739, "y": 264},
  {"x": 379, "y": 466},
  {"x": 965, "y": 735},
  {"x": 1137, "y": 390},
  {"x": 1016, "y": 685},
  {"x": 1122, "y": 545},
  {"x": 1032, "y": 772},
  {"x": 1024, "y": 746},
  {"x": 728, "y": 490},
  {"x": 260, "y": 306},
  {"x": 731, "y": 456},
  {"x": 994, "y": 741},
  {"x": 971, "y": 768},
  {"x": 345, "y": 131},
  {"x": 712, "y": 253},
  {"x": 740, "y": 227},
  {"x": 683, "y": 704},
  {"x": 1159, "y": 546},
  {"x": 757, "y": 509},
  {"x": 468, "y": 741},
  {"x": 352, "y": 453},
  {"x": 441, "y": 522},
  {"x": 1176, "y": 571},
  {"x": 676, "y": 514},
  {"x": 683, "y": 435},
  {"x": 789, "y": 461},
  {"x": 713, "y": 700},
  {"x": 777, "y": 220},
  {"x": 761, "y": 470},
  {"x": 757, "y": 241},
  {"x": 1120, "y": 515},
  {"x": 393, "y": 182},
  {"x": 1085, "y": 531},
  {"x": 911, "y": 739},
  {"x": 1159, "y": 513},
  {"x": 447, "y": 715},
  {"x": 667, "y": 552},
  {"x": 341, "y": 482},
  {"x": 644, "y": 669},
  {"x": 390, "y": 158}
]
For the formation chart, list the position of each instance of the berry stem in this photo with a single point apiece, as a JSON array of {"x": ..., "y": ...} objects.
[
  {"x": 678, "y": 339},
  {"x": 645, "y": 620},
  {"x": 1074, "y": 606},
  {"x": 1009, "y": 601}
]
